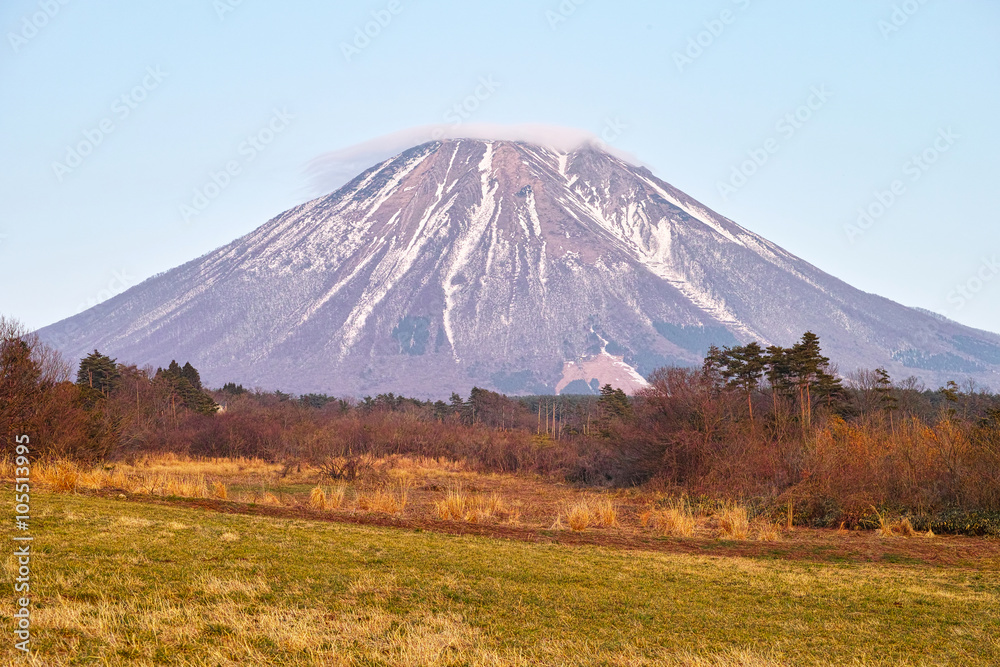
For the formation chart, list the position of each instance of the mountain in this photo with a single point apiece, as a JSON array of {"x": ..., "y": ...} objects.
[{"x": 510, "y": 266}]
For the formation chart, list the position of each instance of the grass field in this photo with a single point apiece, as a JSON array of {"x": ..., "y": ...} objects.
[{"x": 118, "y": 582}]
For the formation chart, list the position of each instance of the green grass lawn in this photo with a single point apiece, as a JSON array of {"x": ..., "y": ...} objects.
[{"x": 122, "y": 583}]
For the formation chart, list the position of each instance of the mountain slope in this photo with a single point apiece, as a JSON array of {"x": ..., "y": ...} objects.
[{"x": 506, "y": 265}]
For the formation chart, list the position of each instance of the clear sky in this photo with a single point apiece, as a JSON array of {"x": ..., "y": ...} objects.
[{"x": 115, "y": 116}]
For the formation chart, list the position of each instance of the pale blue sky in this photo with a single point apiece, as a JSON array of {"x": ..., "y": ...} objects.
[{"x": 71, "y": 238}]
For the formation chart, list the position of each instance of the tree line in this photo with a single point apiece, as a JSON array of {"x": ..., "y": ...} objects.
[{"x": 780, "y": 424}]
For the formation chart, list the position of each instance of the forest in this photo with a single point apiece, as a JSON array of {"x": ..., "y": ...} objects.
[{"x": 775, "y": 428}]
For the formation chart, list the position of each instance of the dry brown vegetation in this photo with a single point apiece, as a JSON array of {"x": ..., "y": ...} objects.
[
  {"x": 443, "y": 495},
  {"x": 828, "y": 457}
]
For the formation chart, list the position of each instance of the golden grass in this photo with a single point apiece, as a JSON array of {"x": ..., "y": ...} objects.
[
  {"x": 386, "y": 492},
  {"x": 677, "y": 520},
  {"x": 460, "y": 506},
  {"x": 604, "y": 512},
  {"x": 317, "y": 498},
  {"x": 434, "y": 600},
  {"x": 270, "y": 499},
  {"x": 327, "y": 499},
  {"x": 383, "y": 501},
  {"x": 588, "y": 512},
  {"x": 767, "y": 531},
  {"x": 734, "y": 522},
  {"x": 901, "y": 528},
  {"x": 579, "y": 516},
  {"x": 452, "y": 508},
  {"x": 64, "y": 477},
  {"x": 335, "y": 498}
]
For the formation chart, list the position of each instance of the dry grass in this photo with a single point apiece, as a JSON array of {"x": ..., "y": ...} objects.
[
  {"x": 418, "y": 486},
  {"x": 604, "y": 512},
  {"x": 327, "y": 499},
  {"x": 594, "y": 511},
  {"x": 269, "y": 498},
  {"x": 335, "y": 497},
  {"x": 460, "y": 506},
  {"x": 579, "y": 516},
  {"x": 63, "y": 477},
  {"x": 452, "y": 508},
  {"x": 384, "y": 501},
  {"x": 120, "y": 592},
  {"x": 317, "y": 498},
  {"x": 901, "y": 528},
  {"x": 734, "y": 522},
  {"x": 677, "y": 520},
  {"x": 765, "y": 531}
]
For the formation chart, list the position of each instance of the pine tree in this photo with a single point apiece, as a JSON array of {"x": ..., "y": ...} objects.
[
  {"x": 950, "y": 393},
  {"x": 743, "y": 367},
  {"x": 810, "y": 370},
  {"x": 233, "y": 389},
  {"x": 614, "y": 403},
  {"x": 778, "y": 369},
  {"x": 711, "y": 369},
  {"x": 191, "y": 394},
  {"x": 189, "y": 373},
  {"x": 98, "y": 372}
]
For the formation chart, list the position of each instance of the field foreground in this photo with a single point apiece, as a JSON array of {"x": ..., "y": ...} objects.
[{"x": 120, "y": 583}]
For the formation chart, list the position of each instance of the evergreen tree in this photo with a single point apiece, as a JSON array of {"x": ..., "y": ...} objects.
[
  {"x": 778, "y": 368},
  {"x": 711, "y": 369},
  {"x": 191, "y": 395},
  {"x": 950, "y": 393},
  {"x": 189, "y": 373},
  {"x": 883, "y": 389},
  {"x": 457, "y": 405},
  {"x": 614, "y": 403},
  {"x": 98, "y": 372},
  {"x": 810, "y": 370},
  {"x": 743, "y": 367}
]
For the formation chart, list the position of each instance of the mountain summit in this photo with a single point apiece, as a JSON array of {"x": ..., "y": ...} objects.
[{"x": 505, "y": 265}]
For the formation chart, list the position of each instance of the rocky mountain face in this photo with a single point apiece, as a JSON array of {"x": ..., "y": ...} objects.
[{"x": 509, "y": 266}]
